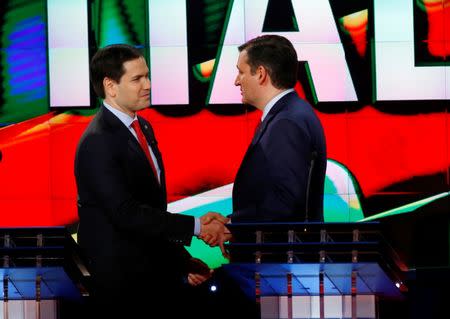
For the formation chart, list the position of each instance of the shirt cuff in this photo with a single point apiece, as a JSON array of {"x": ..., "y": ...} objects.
[{"x": 197, "y": 227}]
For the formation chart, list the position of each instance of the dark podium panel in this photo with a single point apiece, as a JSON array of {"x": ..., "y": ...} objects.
[
  {"x": 333, "y": 269},
  {"x": 42, "y": 265}
]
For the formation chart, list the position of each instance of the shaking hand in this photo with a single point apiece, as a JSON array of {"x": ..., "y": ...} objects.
[{"x": 213, "y": 230}]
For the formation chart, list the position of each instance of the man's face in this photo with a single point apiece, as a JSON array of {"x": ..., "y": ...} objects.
[
  {"x": 132, "y": 93},
  {"x": 246, "y": 80}
]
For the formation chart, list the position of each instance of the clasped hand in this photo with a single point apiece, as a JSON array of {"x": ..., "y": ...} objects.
[{"x": 213, "y": 230}]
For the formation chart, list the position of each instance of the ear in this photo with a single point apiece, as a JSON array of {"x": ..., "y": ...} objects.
[
  {"x": 261, "y": 71},
  {"x": 110, "y": 87}
]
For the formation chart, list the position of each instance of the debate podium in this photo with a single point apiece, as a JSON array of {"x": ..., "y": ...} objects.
[
  {"x": 41, "y": 268},
  {"x": 315, "y": 270}
]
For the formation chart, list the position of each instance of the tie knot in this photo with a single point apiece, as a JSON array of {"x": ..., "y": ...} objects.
[{"x": 135, "y": 124}]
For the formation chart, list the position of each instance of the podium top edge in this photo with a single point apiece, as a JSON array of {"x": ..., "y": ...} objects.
[{"x": 311, "y": 225}]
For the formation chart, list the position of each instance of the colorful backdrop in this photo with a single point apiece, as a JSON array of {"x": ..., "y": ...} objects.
[{"x": 377, "y": 72}]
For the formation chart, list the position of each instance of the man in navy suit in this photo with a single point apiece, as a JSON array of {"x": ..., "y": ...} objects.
[
  {"x": 133, "y": 245},
  {"x": 281, "y": 177}
]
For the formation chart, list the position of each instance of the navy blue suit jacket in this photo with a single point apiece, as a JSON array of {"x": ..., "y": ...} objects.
[{"x": 271, "y": 183}]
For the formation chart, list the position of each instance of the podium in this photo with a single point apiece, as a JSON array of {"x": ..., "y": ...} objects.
[
  {"x": 40, "y": 267},
  {"x": 315, "y": 270}
]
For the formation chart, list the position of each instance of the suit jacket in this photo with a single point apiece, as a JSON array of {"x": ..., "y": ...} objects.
[
  {"x": 271, "y": 183},
  {"x": 130, "y": 239}
]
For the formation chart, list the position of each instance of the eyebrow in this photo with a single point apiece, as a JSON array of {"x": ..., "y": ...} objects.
[{"x": 139, "y": 76}]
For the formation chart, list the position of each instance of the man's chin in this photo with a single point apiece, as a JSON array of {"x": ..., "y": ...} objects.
[{"x": 142, "y": 107}]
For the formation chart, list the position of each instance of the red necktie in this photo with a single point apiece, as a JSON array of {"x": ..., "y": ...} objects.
[{"x": 144, "y": 145}]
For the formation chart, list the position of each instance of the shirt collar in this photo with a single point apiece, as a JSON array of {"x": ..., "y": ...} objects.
[
  {"x": 272, "y": 102},
  {"x": 123, "y": 117}
]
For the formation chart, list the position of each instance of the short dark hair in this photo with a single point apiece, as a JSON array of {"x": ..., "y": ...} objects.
[
  {"x": 108, "y": 62},
  {"x": 277, "y": 55}
]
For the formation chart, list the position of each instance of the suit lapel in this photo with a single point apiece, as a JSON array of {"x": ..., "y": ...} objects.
[
  {"x": 120, "y": 130},
  {"x": 136, "y": 148},
  {"x": 150, "y": 137},
  {"x": 278, "y": 107},
  {"x": 123, "y": 132},
  {"x": 151, "y": 140}
]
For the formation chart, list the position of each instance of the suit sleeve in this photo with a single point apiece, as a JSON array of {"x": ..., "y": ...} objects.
[
  {"x": 99, "y": 172},
  {"x": 287, "y": 158}
]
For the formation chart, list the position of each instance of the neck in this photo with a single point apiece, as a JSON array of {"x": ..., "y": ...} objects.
[
  {"x": 269, "y": 95},
  {"x": 115, "y": 105}
]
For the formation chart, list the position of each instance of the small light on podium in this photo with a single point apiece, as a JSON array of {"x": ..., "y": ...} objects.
[{"x": 401, "y": 286}]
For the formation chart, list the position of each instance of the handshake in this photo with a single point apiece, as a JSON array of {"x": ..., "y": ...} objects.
[{"x": 213, "y": 230}]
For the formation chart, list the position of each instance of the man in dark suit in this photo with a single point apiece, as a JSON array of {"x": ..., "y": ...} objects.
[
  {"x": 281, "y": 177},
  {"x": 286, "y": 155},
  {"x": 134, "y": 246}
]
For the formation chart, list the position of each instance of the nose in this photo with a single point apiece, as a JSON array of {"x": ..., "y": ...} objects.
[
  {"x": 147, "y": 83},
  {"x": 236, "y": 81}
]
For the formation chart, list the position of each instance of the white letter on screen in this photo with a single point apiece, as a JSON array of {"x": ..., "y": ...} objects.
[
  {"x": 68, "y": 53},
  {"x": 168, "y": 52},
  {"x": 397, "y": 78},
  {"x": 317, "y": 42}
]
